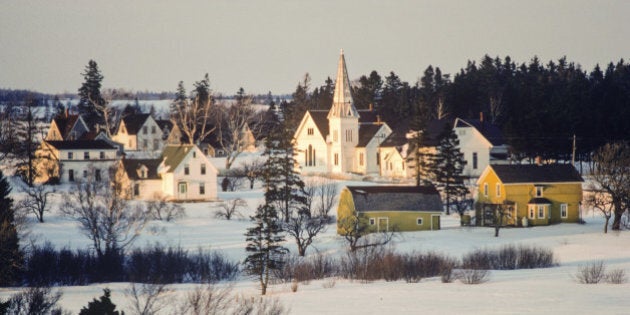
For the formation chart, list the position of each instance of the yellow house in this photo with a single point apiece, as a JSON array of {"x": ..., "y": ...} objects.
[
  {"x": 529, "y": 194},
  {"x": 390, "y": 208}
]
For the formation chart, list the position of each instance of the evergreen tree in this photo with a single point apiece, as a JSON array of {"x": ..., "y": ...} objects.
[
  {"x": 284, "y": 188},
  {"x": 10, "y": 254},
  {"x": 90, "y": 97},
  {"x": 102, "y": 306},
  {"x": 263, "y": 245},
  {"x": 449, "y": 165},
  {"x": 369, "y": 91}
]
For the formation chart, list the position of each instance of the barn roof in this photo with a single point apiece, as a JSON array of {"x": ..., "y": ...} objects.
[{"x": 395, "y": 198}]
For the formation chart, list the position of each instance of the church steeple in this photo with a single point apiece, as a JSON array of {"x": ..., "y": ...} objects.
[{"x": 343, "y": 104}]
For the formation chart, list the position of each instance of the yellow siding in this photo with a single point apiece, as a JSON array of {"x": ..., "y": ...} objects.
[
  {"x": 399, "y": 221},
  {"x": 521, "y": 194}
]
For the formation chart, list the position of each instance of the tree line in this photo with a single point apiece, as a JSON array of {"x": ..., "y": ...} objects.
[{"x": 539, "y": 107}]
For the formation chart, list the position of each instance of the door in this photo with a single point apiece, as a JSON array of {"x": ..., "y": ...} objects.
[
  {"x": 435, "y": 222},
  {"x": 383, "y": 224},
  {"x": 182, "y": 190}
]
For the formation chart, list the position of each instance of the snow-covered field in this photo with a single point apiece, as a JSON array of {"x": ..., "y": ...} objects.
[{"x": 537, "y": 291}]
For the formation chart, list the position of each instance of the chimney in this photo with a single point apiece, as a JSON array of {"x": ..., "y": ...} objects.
[
  {"x": 378, "y": 119},
  {"x": 67, "y": 112},
  {"x": 481, "y": 117},
  {"x": 538, "y": 160},
  {"x": 371, "y": 107}
]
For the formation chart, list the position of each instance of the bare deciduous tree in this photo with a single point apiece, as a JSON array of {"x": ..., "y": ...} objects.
[
  {"x": 34, "y": 300},
  {"x": 36, "y": 201},
  {"x": 103, "y": 214},
  {"x": 602, "y": 202},
  {"x": 304, "y": 228},
  {"x": 251, "y": 170},
  {"x": 194, "y": 116},
  {"x": 148, "y": 298},
  {"x": 162, "y": 210},
  {"x": 233, "y": 132},
  {"x": 208, "y": 301},
  {"x": 611, "y": 172},
  {"x": 324, "y": 196},
  {"x": 230, "y": 208},
  {"x": 355, "y": 229}
]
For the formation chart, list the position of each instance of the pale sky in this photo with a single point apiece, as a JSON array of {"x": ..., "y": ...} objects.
[{"x": 270, "y": 45}]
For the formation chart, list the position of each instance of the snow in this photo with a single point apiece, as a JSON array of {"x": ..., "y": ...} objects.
[{"x": 539, "y": 291}]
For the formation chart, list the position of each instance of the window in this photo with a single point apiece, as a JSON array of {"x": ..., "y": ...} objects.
[
  {"x": 378, "y": 158},
  {"x": 97, "y": 175},
  {"x": 349, "y": 135},
  {"x": 310, "y": 131},
  {"x": 86, "y": 155},
  {"x": 156, "y": 144},
  {"x": 202, "y": 189},
  {"x": 563, "y": 210},
  {"x": 336, "y": 158},
  {"x": 361, "y": 159},
  {"x": 153, "y": 130},
  {"x": 145, "y": 144},
  {"x": 143, "y": 173},
  {"x": 183, "y": 188},
  {"x": 85, "y": 173},
  {"x": 71, "y": 175},
  {"x": 419, "y": 221},
  {"x": 372, "y": 221},
  {"x": 485, "y": 189},
  {"x": 539, "y": 191},
  {"x": 69, "y": 155},
  {"x": 310, "y": 156},
  {"x": 136, "y": 189},
  {"x": 101, "y": 155},
  {"x": 531, "y": 212},
  {"x": 541, "y": 211},
  {"x": 194, "y": 154},
  {"x": 144, "y": 130},
  {"x": 186, "y": 170},
  {"x": 205, "y": 151},
  {"x": 335, "y": 135},
  {"x": 203, "y": 169},
  {"x": 498, "y": 188},
  {"x": 474, "y": 161}
]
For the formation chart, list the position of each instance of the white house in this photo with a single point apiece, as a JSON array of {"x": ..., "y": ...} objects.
[
  {"x": 187, "y": 174},
  {"x": 139, "y": 132},
  {"x": 481, "y": 143},
  {"x": 140, "y": 178},
  {"x": 74, "y": 160},
  {"x": 392, "y": 155},
  {"x": 342, "y": 139}
]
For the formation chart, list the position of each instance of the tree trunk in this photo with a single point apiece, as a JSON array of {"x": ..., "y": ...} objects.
[
  {"x": 606, "y": 225},
  {"x": 617, "y": 220}
]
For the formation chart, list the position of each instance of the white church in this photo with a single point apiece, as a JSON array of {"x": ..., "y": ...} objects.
[{"x": 342, "y": 139}]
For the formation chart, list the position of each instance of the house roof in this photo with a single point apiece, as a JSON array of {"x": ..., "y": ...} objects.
[
  {"x": 65, "y": 123},
  {"x": 164, "y": 124},
  {"x": 133, "y": 123},
  {"x": 435, "y": 130},
  {"x": 321, "y": 121},
  {"x": 490, "y": 131},
  {"x": 395, "y": 139},
  {"x": 367, "y": 116},
  {"x": 533, "y": 173},
  {"x": 366, "y": 133},
  {"x": 81, "y": 144},
  {"x": 173, "y": 155},
  {"x": 395, "y": 198},
  {"x": 539, "y": 201},
  {"x": 133, "y": 165}
]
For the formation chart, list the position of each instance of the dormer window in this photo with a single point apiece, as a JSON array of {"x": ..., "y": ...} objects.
[
  {"x": 539, "y": 191},
  {"x": 143, "y": 171}
]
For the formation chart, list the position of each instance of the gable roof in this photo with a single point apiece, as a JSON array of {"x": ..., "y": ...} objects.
[
  {"x": 132, "y": 165},
  {"x": 395, "y": 198},
  {"x": 134, "y": 122},
  {"x": 65, "y": 123},
  {"x": 320, "y": 117},
  {"x": 81, "y": 144},
  {"x": 395, "y": 139},
  {"x": 490, "y": 131},
  {"x": 533, "y": 173},
  {"x": 164, "y": 124},
  {"x": 173, "y": 155},
  {"x": 366, "y": 133}
]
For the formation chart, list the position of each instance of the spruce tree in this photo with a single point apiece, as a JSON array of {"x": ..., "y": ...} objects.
[
  {"x": 90, "y": 95},
  {"x": 449, "y": 165},
  {"x": 102, "y": 306},
  {"x": 264, "y": 245},
  {"x": 10, "y": 254}
]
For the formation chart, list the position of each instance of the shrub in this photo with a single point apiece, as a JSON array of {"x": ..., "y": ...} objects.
[
  {"x": 509, "y": 257},
  {"x": 473, "y": 276},
  {"x": 591, "y": 273},
  {"x": 617, "y": 276}
]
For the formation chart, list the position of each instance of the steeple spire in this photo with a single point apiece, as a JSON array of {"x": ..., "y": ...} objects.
[{"x": 343, "y": 104}]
